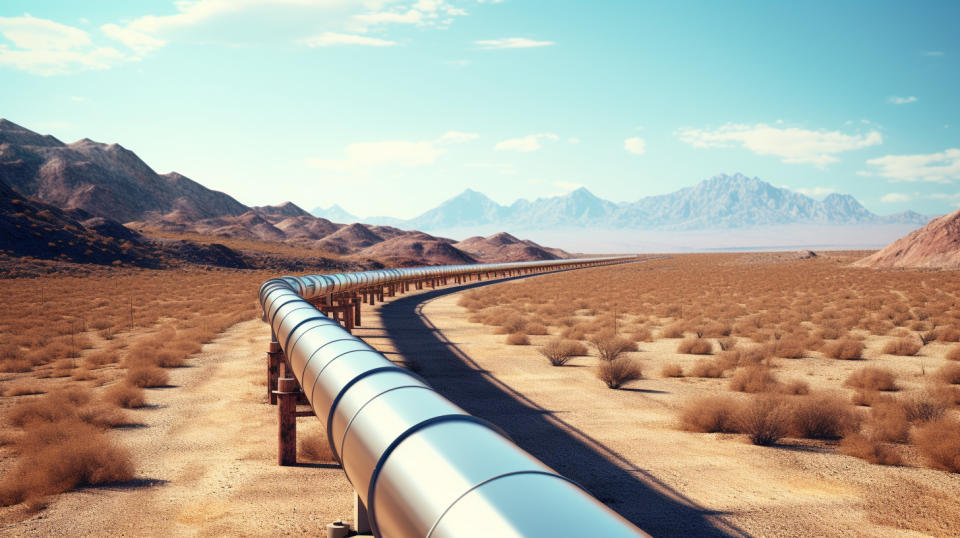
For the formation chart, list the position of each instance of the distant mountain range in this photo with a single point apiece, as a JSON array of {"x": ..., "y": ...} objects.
[
  {"x": 334, "y": 213},
  {"x": 721, "y": 202}
]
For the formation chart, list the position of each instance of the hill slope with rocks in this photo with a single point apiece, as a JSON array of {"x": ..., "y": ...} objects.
[{"x": 936, "y": 245}]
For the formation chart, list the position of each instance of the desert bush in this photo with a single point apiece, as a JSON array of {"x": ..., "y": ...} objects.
[
  {"x": 126, "y": 396},
  {"x": 575, "y": 332},
  {"x": 949, "y": 334},
  {"x": 727, "y": 343},
  {"x": 888, "y": 422},
  {"x": 906, "y": 347},
  {"x": 315, "y": 447},
  {"x": 796, "y": 387},
  {"x": 709, "y": 368},
  {"x": 953, "y": 354},
  {"x": 671, "y": 370},
  {"x": 102, "y": 415},
  {"x": 518, "y": 339},
  {"x": 673, "y": 330},
  {"x": 166, "y": 358},
  {"x": 949, "y": 373},
  {"x": 695, "y": 346},
  {"x": 872, "y": 378},
  {"x": 939, "y": 442},
  {"x": 538, "y": 329},
  {"x": 713, "y": 414},
  {"x": 844, "y": 349},
  {"x": 56, "y": 457},
  {"x": 923, "y": 407},
  {"x": 788, "y": 347},
  {"x": 614, "y": 373},
  {"x": 870, "y": 450},
  {"x": 753, "y": 379},
  {"x": 144, "y": 376},
  {"x": 511, "y": 325},
  {"x": 51, "y": 407},
  {"x": 641, "y": 334},
  {"x": 22, "y": 389},
  {"x": 822, "y": 417},
  {"x": 99, "y": 359},
  {"x": 765, "y": 420},
  {"x": 559, "y": 352},
  {"x": 609, "y": 347}
]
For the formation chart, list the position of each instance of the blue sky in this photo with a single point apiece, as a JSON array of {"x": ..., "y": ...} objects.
[{"x": 389, "y": 107}]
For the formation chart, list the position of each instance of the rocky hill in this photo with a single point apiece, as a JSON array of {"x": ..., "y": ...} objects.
[
  {"x": 505, "y": 247},
  {"x": 936, "y": 245}
]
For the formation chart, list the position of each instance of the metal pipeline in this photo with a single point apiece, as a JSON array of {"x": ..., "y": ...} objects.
[{"x": 422, "y": 466}]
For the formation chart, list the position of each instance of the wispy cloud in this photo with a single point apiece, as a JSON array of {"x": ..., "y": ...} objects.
[
  {"x": 635, "y": 145},
  {"x": 362, "y": 157},
  {"x": 815, "y": 192},
  {"x": 943, "y": 167},
  {"x": 511, "y": 43},
  {"x": 526, "y": 143},
  {"x": 895, "y": 100},
  {"x": 791, "y": 144},
  {"x": 332, "y": 39},
  {"x": 895, "y": 197},
  {"x": 45, "y": 47}
]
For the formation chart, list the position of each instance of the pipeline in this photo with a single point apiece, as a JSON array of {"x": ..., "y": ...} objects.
[{"x": 422, "y": 466}]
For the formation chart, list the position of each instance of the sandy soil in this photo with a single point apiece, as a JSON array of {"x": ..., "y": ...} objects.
[{"x": 206, "y": 461}]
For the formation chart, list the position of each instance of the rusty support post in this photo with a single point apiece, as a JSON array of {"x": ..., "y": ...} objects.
[
  {"x": 274, "y": 359},
  {"x": 287, "y": 391},
  {"x": 356, "y": 310}
]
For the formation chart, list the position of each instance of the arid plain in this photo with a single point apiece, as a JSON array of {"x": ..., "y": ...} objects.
[{"x": 200, "y": 447}]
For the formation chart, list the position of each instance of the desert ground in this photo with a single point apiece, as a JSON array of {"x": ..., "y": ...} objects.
[{"x": 203, "y": 448}]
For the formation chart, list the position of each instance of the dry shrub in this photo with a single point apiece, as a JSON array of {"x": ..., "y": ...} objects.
[
  {"x": 538, "y": 329},
  {"x": 102, "y": 415},
  {"x": 939, "y": 442},
  {"x": 888, "y": 422},
  {"x": 695, "y": 346},
  {"x": 844, "y": 349},
  {"x": 511, "y": 324},
  {"x": 949, "y": 334},
  {"x": 871, "y": 378},
  {"x": 99, "y": 359},
  {"x": 52, "y": 407},
  {"x": 147, "y": 376},
  {"x": 15, "y": 366},
  {"x": 752, "y": 355},
  {"x": 614, "y": 373},
  {"x": 949, "y": 373},
  {"x": 609, "y": 346},
  {"x": 126, "y": 396},
  {"x": 796, "y": 387},
  {"x": 22, "y": 389},
  {"x": 518, "y": 339},
  {"x": 822, "y": 417},
  {"x": 923, "y": 407},
  {"x": 712, "y": 414},
  {"x": 727, "y": 343},
  {"x": 61, "y": 456},
  {"x": 754, "y": 379},
  {"x": 641, "y": 334},
  {"x": 870, "y": 450},
  {"x": 788, "y": 347},
  {"x": 166, "y": 358},
  {"x": 671, "y": 370},
  {"x": 765, "y": 420},
  {"x": 559, "y": 352},
  {"x": 574, "y": 332},
  {"x": 954, "y": 353},
  {"x": 709, "y": 368},
  {"x": 673, "y": 330},
  {"x": 315, "y": 447},
  {"x": 905, "y": 347}
]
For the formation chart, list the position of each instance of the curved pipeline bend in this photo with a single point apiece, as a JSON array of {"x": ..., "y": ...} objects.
[{"x": 421, "y": 465}]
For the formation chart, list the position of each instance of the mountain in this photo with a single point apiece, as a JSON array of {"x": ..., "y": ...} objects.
[
  {"x": 417, "y": 249},
  {"x": 286, "y": 209},
  {"x": 721, "y": 202},
  {"x": 936, "y": 245},
  {"x": 104, "y": 180},
  {"x": 334, "y": 213},
  {"x": 504, "y": 247}
]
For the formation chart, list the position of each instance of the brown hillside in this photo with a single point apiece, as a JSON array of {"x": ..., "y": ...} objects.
[
  {"x": 503, "y": 247},
  {"x": 416, "y": 248},
  {"x": 936, "y": 245},
  {"x": 349, "y": 239},
  {"x": 281, "y": 211}
]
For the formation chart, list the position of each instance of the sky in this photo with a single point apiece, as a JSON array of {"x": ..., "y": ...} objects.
[{"x": 390, "y": 107}]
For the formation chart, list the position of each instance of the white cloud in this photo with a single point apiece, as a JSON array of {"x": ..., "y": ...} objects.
[
  {"x": 511, "y": 43},
  {"x": 894, "y": 197},
  {"x": 44, "y": 47},
  {"x": 331, "y": 39},
  {"x": 364, "y": 156},
  {"x": 635, "y": 145},
  {"x": 411, "y": 16},
  {"x": 138, "y": 41},
  {"x": 943, "y": 167},
  {"x": 815, "y": 192},
  {"x": 573, "y": 140},
  {"x": 792, "y": 145},
  {"x": 457, "y": 137},
  {"x": 895, "y": 100},
  {"x": 864, "y": 173},
  {"x": 526, "y": 143}
]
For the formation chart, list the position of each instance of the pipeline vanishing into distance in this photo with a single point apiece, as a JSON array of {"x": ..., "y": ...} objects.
[{"x": 422, "y": 466}]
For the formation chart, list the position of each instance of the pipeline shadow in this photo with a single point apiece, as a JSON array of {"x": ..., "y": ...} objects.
[{"x": 635, "y": 494}]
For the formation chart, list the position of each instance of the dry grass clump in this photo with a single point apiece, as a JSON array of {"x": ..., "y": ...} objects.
[
  {"x": 518, "y": 339},
  {"x": 537, "y": 329},
  {"x": 844, "y": 349},
  {"x": 872, "y": 378},
  {"x": 99, "y": 359},
  {"x": 709, "y": 368},
  {"x": 888, "y": 422},
  {"x": 671, "y": 370},
  {"x": 796, "y": 387},
  {"x": 939, "y": 442},
  {"x": 695, "y": 346},
  {"x": 147, "y": 376},
  {"x": 788, "y": 347},
  {"x": 905, "y": 347},
  {"x": 765, "y": 420},
  {"x": 673, "y": 330},
  {"x": 615, "y": 373},
  {"x": 126, "y": 396},
  {"x": 559, "y": 352},
  {"x": 954, "y": 353},
  {"x": 923, "y": 407},
  {"x": 52, "y": 407},
  {"x": 610, "y": 346},
  {"x": 822, "y": 417},
  {"x": 22, "y": 389},
  {"x": 314, "y": 447},
  {"x": 641, "y": 334},
  {"x": 873, "y": 451},
  {"x": 754, "y": 379},
  {"x": 949, "y": 373},
  {"x": 713, "y": 414}
]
